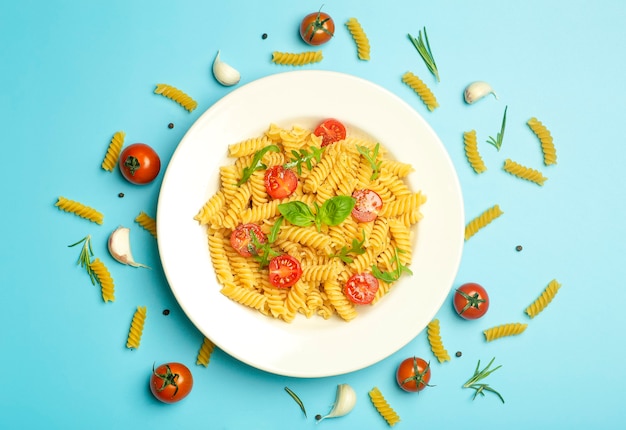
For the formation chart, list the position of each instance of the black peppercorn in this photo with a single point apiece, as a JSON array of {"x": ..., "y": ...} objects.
[
  {"x": 518, "y": 248},
  {"x": 264, "y": 36},
  {"x": 120, "y": 195},
  {"x": 166, "y": 312},
  {"x": 170, "y": 125}
]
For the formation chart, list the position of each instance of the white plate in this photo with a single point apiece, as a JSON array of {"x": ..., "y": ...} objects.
[{"x": 310, "y": 347}]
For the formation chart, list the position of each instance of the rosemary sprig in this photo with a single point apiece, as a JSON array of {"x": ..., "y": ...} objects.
[
  {"x": 479, "y": 375},
  {"x": 256, "y": 163},
  {"x": 297, "y": 399},
  {"x": 497, "y": 142},
  {"x": 84, "y": 258},
  {"x": 304, "y": 157},
  {"x": 371, "y": 157},
  {"x": 423, "y": 48},
  {"x": 356, "y": 248},
  {"x": 395, "y": 274}
]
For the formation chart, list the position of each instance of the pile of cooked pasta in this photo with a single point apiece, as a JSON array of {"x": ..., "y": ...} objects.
[{"x": 341, "y": 169}]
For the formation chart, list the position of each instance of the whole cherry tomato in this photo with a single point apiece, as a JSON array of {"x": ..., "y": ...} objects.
[
  {"x": 139, "y": 164},
  {"x": 413, "y": 374},
  {"x": 317, "y": 28},
  {"x": 171, "y": 382},
  {"x": 471, "y": 301}
]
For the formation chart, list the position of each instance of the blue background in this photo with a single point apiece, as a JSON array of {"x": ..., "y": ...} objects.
[{"x": 75, "y": 72}]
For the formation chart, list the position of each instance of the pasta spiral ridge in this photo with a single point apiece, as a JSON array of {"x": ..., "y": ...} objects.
[
  {"x": 105, "y": 280},
  {"x": 136, "y": 328},
  {"x": 344, "y": 307},
  {"x": 360, "y": 38},
  {"x": 510, "y": 329},
  {"x": 205, "y": 352},
  {"x": 482, "y": 220},
  {"x": 80, "y": 210},
  {"x": 177, "y": 96},
  {"x": 113, "y": 151},
  {"x": 471, "y": 152},
  {"x": 544, "y": 299},
  {"x": 250, "y": 298},
  {"x": 248, "y": 146},
  {"x": 296, "y": 59},
  {"x": 545, "y": 138},
  {"x": 383, "y": 407},
  {"x": 422, "y": 90},
  {"x": 147, "y": 222},
  {"x": 524, "y": 172},
  {"x": 436, "y": 344}
]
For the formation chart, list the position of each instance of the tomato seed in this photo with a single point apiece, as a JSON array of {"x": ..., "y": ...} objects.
[
  {"x": 170, "y": 125},
  {"x": 458, "y": 353},
  {"x": 166, "y": 312},
  {"x": 264, "y": 36},
  {"x": 518, "y": 248},
  {"x": 120, "y": 195}
]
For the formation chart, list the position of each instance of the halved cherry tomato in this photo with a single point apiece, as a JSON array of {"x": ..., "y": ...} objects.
[
  {"x": 171, "y": 382},
  {"x": 368, "y": 205},
  {"x": 284, "y": 270},
  {"x": 413, "y": 374},
  {"x": 241, "y": 238},
  {"x": 317, "y": 28},
  {"x": 280, "y": 182},
  {"x": 471, "y": 301},
  {"x": 139, "y": 163},
  {"x": 361, "y": 288},
  {"x": 331, "y": 131}
]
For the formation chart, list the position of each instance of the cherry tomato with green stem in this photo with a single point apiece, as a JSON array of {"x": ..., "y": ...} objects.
[
  {"x": 139, "y": 164},
  {"x": 413, "y": 374},
  {"x": 317, "y": 28},
  {"x": 171, "y": 382},
  {"x": 471, "y": 301}
]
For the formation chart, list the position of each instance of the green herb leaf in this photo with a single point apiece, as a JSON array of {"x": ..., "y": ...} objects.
[
  {"x": 263, "y": 252},
  {"x": 475, "y": 384},
  {"x": 304, "y": 157},
  {"x": 395, "y": 274},
  {"x": 271, "y": 238},
  {"x": 336, "y": 209},
  {"x": 356, "y": 248},
  {"x": 297, "y": 399},
  {"x": 423, "y": 48},
  {"x": 297, "y": 213},
  {"x": 84, "y": 258},
  {"x": 371, "y": 158},
  {"x": 256, "y": 163},
  {"x": 497, "y": 142}
]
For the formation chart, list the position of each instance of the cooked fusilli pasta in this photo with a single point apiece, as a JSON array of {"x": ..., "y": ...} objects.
[
  {"x": 80, "y": 210},
  {"x": 510, "y": 329},
  {"x": 136, "y": 328},
  {"x": 104, "y": 278},
  {"x": 360, "y": 38},
  {"x": 436, "y": 344},
  {"x": 147, "y": 222},
  {"x": 523, "y": 172},
  {"x": 113, "y": 151},
  {"x": 205, "y": 352},
  {"x": 383, "y": 407},
  {"x": 544, "y": 299},
  {"x": 421, "y": 89},
  {"x": 296, "y": 59},
  {"x": 482, "y": 220},
  {"x": 471, "y": 152},
  {"x": 545, "y": 138},
  {"x": 176, "y": 95}
]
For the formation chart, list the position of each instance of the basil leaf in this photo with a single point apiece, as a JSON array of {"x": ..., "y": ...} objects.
[
  {"x": 297, "y": 213},
  {"x": 256, "y": 163},
  {"x": 336, "y": 209}
]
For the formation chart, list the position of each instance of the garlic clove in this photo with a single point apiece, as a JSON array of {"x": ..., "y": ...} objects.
[
  {"x": 224, "y": 73},
  {"x": 477, "y": 90},
  {"x": 119, "y": 247},
  {"x": 345, "y": 401}
]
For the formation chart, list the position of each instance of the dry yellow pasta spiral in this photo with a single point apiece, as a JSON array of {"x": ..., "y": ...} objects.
[
  {"x": 296, "y": 59},
  {"x": 360, "y": 38},
  {"x": 545, "y": 138},
  {"x": 79, "y": 209},
  {"x": 104, "y": 278},
  {"x": 471, "y": 152},
  {"x": 147, "y": 222},
  {"x": 511, "y": 329},
  {"x": 176, "y": 95},
  {"x": 482, "y": 221},
  {"x": 136, "y": 328},
  {"x": 523, "y": 172},
  {"x": 204, "y": 354},
  {"x": 113, "y": 151},
  {"x": 544, "y": 299},
  {"x": 421, "y": 89},
  {"x": 383, "y": 408},
  {"x": 436, "y": 345}
]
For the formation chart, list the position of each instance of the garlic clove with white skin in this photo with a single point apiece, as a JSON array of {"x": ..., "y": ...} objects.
[
  {"x": 119, "y": 247},
  {"x": 477, "y": 90},
  {"x": 224, "y": 73},
  {"x": 345, "y": 401}
]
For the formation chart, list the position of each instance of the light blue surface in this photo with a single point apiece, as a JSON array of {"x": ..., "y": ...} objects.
[{"x": 75, "y": 72}]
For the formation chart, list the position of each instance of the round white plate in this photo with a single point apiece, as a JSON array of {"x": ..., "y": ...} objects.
[{"x": 310, "y": 347}]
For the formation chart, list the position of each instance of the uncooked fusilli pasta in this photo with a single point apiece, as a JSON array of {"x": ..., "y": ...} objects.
[
  {"x": 511, "y": 329},
  {"x": 113, "y": 151},
  {"x": 482, "y": 221},
  {"x": 176, "y": 95},
  {"x": 360, "y": 38},
  {"x": 296, "y": 59},
  {"x": 136, "y": 328},
  {"x": 471, "y": 152},
  {"x": 523, "y": 172},
  {"x": 104, "y": 279},
  {"x": 147, "y": 222},
  {"x": 79, "y": 209},
  {"x": 545, "y": 138},
  {"x": 544, "y": 299},
  {"x": 436, "y": 345},
  {"x": 205, "y": 352},
  {"x": 421, "y": 89},
  {"x": 383, "y": 407}
]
